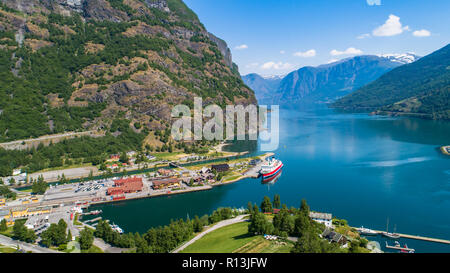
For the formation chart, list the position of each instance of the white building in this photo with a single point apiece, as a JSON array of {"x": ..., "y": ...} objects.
[{"x": 323, "y": 218}]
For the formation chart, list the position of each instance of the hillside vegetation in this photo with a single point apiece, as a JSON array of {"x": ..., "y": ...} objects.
[
  {"x": 421, "y": 88},
  {"x": 65, "y": 67}
]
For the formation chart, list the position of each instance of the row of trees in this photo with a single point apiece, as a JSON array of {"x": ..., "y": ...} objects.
[{"x": 165, "y": 238}]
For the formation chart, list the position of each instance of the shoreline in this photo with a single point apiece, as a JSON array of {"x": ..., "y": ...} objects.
[
  {"x": 198, "y": 189},
  {"x": 89, "y": 202}
]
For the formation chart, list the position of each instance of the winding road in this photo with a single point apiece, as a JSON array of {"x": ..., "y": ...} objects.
[
  {"x": 6, "y": 241},
  {"x": 220, "y": 224}
]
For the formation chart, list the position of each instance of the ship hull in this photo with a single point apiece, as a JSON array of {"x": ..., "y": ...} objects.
[{"x": 272, "y": 173}]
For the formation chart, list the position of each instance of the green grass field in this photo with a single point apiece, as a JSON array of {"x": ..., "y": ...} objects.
[
  {"x": 235, "y": 238},
  {"x": 6, "y": 249}
]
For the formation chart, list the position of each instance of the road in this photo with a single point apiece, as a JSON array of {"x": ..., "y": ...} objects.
[
  {"x": 107, "y": 248},
  {"x": 220, "y": 224},
  {"x": 6, "y": 241}
]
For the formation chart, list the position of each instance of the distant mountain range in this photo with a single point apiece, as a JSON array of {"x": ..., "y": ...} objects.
[
  {"x": 420, "y": 89},
  {"x": 325, "y": 83}
]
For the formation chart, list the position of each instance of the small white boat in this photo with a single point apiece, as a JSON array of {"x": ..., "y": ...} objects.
[
  {"x": 116, "y": 228},
  {"x": 366, "y": 231}
]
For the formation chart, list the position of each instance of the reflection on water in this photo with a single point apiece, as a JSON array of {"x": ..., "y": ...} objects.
[
  {"x": 271, "y": 180},
  {"x": 394, "y": 163}
]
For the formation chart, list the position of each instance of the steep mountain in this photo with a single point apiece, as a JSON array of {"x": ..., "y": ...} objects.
[
  {"x": 263, "y": 86},
  {"x": 327, "y": 82},
  {"x": 421, "y": 89},
  {"x": 75, "y": 65}
]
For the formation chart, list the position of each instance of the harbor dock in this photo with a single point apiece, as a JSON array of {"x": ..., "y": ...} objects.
[{"x": 420, "y": 238}]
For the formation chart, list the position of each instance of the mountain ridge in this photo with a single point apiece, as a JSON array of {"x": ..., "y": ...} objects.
[
  {"x": 327, "y": 82},
  {"x": 421, "y": 89}
]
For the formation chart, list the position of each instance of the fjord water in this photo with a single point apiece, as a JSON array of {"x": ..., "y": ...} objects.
[{"x": 358, "y": 167}]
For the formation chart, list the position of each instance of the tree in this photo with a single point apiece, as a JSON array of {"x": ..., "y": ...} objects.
[
  {"x": 284, "y": 222},
  {"x": 86, "y": 238},
  {"x": 276, "y": 201},
  {"x": 260, "y": 225},
  {"x": 39, "y": 186},
  {"x": 3, "y": 225},
  {"x": 124, "y": 158},
  {"x": 55, "y": 235},
  {"x": 12, "y": 181},
  {"x": 69, "y": 236},
  {"x": 304, "y": 208},
  {"x": 22, "y": 233},
  {"x": 266, "y": 205},
  {"x": 307, "y": 243},
  {"x": 250, "y": 207},
  {"x": 197, "y": 224}
]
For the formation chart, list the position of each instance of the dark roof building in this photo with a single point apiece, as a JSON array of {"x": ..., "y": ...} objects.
[
  {"x": 334, "y": 237},
  {"x": 220, "y": 167}
]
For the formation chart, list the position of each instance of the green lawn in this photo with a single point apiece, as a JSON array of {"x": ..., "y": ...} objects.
[
  {"x": 7, "y": 232},
  {"x": 235, "y": 239},
  {"x": 6, "y": 249},
  {"x": 93, "y": 249},
  {"x": 222, "y": 240}
]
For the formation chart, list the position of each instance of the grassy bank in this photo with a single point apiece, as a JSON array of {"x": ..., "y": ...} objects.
[{"x": 236, "y": 239}]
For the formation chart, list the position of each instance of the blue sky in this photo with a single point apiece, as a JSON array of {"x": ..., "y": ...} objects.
[{"x": 274, "y": 37}]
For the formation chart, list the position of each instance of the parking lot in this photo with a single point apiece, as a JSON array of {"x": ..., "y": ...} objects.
[{"x": 78, "y": 190}]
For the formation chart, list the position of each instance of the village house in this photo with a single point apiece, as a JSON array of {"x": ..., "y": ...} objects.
[
  {"x": 4, "y": 214},
  {"x": 334, "y": 237},
  {"x": 165, "y": 172},
  {"x": 220, "y": 167},
  {"x": 323, "y": 218},
  {"x": 166, "y": 183},
  {"x": 127, "y": 185}
]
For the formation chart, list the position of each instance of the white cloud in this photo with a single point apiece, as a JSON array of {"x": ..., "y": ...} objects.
[
  {"x": 373, "y": 2},
  {"x": 282, "y": 52},
  {"x": 363, "y": 36},
  {"x": 391, "y": 27},
  {"x": 332, "y": 61},
  {"x": 276, "y": 66},
  {"x": 307, "y": 54},
  {"x": 241, "y": 47},
  {"x": 421, "y": 33},
  {"x": 348, "y": 51}
]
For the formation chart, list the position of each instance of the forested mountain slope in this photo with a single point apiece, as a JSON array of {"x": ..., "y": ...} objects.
[
  {"x": 70, "y": 65},
  {"x": 421, "y": 88}
]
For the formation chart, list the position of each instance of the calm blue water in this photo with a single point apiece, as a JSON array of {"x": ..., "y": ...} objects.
[{"x": 358, "y": 167}]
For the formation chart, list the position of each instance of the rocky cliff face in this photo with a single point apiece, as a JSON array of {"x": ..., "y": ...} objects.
[{"x": 137, "y": 58}]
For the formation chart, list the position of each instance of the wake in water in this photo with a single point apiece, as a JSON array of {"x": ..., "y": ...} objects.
[{"x": 394, "y": 163}]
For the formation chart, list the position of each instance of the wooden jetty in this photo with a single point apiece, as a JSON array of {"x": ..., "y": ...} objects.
[
  {"x": 420, "y": 238},
  {"x": 93, "y": 220},
  {"x": 399, "y": 247}
]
